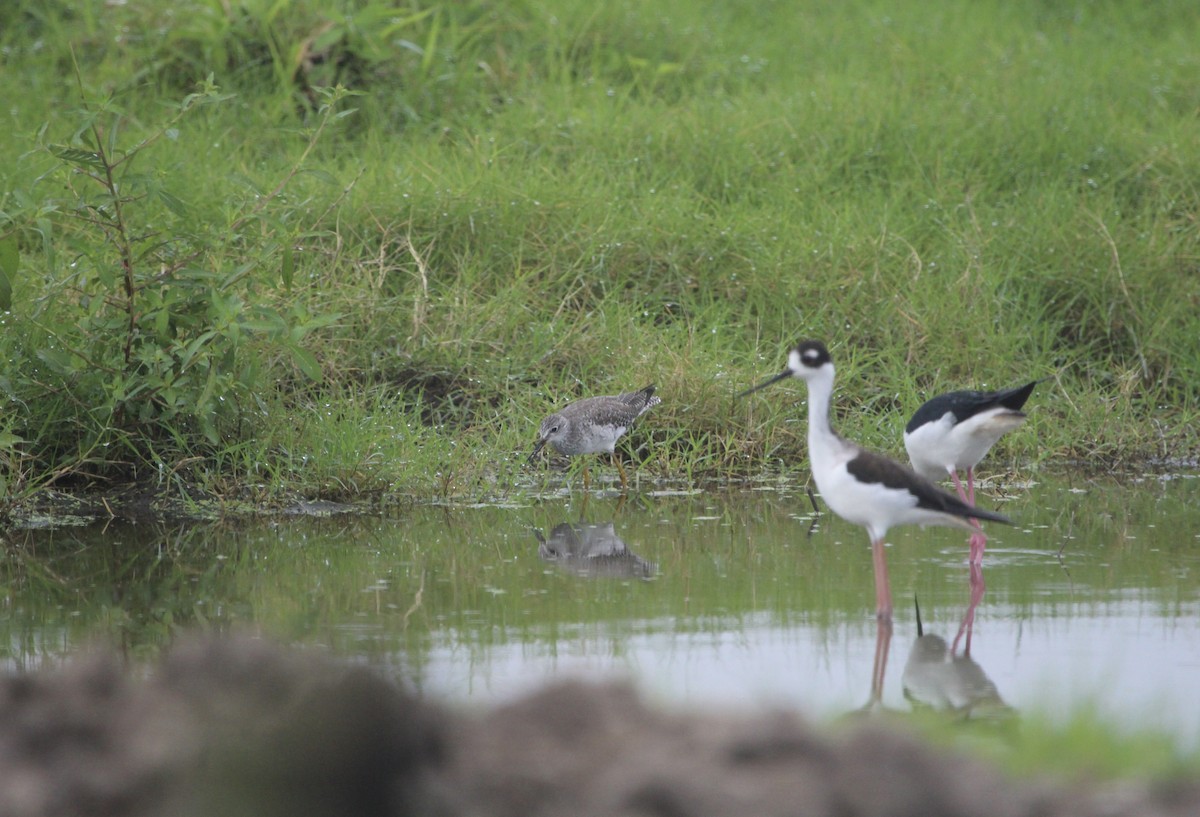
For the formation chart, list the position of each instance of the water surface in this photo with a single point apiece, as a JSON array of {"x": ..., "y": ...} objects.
[{"x": 737, "y": 598}]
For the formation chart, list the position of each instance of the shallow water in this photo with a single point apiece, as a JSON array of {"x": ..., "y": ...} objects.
[{"x": 731, "y": 598}]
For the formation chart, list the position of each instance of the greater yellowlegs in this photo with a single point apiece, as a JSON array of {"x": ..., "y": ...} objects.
[
  {"x": 955, "y": 430},
  {"x": 593, "y": 425},
  {"x": 861, "y": 486}
]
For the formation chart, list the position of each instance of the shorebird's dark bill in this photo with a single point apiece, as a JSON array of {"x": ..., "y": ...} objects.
[
  {"x": 536, "y": 448},
  {"x": 763, "y": 385}
]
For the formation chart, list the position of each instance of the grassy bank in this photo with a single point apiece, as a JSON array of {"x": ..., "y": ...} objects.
[{"x": 229, "y": 280}]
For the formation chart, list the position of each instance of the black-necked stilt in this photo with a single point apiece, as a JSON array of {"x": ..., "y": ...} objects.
[
  {"x": 861, "y": 486},
  {"x": 593, "y": 425},
  {"x": 955, "y": 430}
]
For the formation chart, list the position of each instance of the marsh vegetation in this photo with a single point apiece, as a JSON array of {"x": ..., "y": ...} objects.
[
  {"x": 354, "y": 251},
  {"x": 253, "y": 253}
]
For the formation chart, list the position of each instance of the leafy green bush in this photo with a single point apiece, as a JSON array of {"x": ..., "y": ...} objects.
[{"x": 150, "y": 346}]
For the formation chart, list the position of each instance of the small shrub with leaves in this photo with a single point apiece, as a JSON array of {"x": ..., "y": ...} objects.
[{"x": 146, "y": 347}]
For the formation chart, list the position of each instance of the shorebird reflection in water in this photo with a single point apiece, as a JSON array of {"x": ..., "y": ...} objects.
[
  {"x": 861, "y": 486},
  {"x": 592, "y": 550},
  {"x": 593, "y": 425}
]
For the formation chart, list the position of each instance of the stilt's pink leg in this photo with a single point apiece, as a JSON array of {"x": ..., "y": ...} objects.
[
  {"x": 979, "y": 538},
  {"x": 958, "y": 487},
  {"x": 883, "y": 588}
]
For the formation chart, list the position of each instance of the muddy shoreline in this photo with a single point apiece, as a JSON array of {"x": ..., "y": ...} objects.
[{"x": 241, "y": 726}]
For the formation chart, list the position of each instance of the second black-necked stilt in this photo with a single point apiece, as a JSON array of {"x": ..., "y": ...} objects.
[
  {"x": 594, "y": 424},
  {"x": 861, "y": 486},
  {"x": 955, "y": 430}
]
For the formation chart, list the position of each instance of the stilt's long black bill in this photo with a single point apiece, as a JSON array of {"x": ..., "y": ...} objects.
[{"x": 775, "y": 379}]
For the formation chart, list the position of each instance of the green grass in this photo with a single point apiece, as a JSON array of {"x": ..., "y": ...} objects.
[
  {"x": 382, "y": 294},
  {"x": 1083, "y": 747}
]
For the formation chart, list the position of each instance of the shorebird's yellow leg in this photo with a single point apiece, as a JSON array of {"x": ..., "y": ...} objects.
[{"x": 621, "y": 470}]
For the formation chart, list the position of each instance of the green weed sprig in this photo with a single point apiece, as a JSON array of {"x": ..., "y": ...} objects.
[{"x": 146, "y": 345}]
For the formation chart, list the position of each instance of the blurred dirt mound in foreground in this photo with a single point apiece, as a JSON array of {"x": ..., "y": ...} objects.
[{"x": 241, "y": 727}]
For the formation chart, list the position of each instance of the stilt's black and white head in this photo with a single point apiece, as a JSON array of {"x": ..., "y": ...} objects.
[{"x": 806, "y": 361}]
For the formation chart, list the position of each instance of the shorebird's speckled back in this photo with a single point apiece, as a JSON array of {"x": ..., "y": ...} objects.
[{"x": 594, "y": 424}]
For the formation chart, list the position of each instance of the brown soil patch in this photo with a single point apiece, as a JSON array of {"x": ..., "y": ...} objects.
[{"x": 240, "y": 727}]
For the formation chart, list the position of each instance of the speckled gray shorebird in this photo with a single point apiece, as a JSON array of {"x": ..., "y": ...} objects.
[{"x": 593, "y": 425}]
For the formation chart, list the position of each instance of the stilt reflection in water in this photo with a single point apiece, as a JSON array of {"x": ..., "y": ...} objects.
[
  {"x": 975, "y": 582},
  {"x": 939, "y": 678}
]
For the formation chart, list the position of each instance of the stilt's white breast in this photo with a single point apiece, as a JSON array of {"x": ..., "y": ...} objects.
[{"x": 872, "y": 505}]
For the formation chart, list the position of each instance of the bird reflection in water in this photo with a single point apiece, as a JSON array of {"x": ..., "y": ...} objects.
[
  {"x": 968, "y": 620},
  {"x": 593, "y": 551},
  {"x": 938, "y": 677}
]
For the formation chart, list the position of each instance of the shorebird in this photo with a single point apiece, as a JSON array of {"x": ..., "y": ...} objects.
[
  {"x": 861, "y": 486},
  {"x": 955, "y": 430},
  {"x": 593, "y": 425}
]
